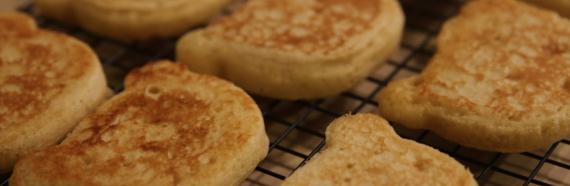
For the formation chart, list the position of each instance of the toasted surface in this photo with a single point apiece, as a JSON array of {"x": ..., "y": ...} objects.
[
  {"x": 499, "y": 80},
  {"x": 560, "y": 6},
  {"x": 294, "y": 49},
  {"x": 309, "y": 27},
  {"x": 48, "y": 82},
  {"x": 130, "y": 20},
  {"x": 364, "y": 150},
  {"x": 169, "y": 127}
]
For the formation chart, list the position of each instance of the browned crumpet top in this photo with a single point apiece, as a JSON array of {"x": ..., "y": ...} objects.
[
  {"x": 502, "y": 63},
  {"x": 308, "y": 26},
  {"x": 33, "y": 70},
  {"x": 169, "y": 127},
  {"x": 148, "y": 135}
]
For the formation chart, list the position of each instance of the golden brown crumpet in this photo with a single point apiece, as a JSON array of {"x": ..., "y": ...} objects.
[
  {"x": 499, "y": 80},
  {"x": 129, "y": 20},
  {"x": 364, "y": 150},
  {"x": 296, "y": 49},
  {"x": 169, "y": 127},
  {"x": 48, "y": 82}
]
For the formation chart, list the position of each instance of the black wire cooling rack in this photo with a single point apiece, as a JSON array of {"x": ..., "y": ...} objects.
[{"x": 296, "y": 128}]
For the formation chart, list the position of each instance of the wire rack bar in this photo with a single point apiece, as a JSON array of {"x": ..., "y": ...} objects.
[{"x": 540, "y": 164}]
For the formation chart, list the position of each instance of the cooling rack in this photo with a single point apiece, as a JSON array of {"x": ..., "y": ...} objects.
[{"x": 296, "y": 128}]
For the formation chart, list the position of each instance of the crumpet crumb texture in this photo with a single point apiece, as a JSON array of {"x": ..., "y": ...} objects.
[
  {"x": 298, "y": 25},
  {"x": 363, "y": 149},
  {"x": 48, "y": 82},
  {"x": 163, "y": 129},
  {"x": 499, "y": 81}
]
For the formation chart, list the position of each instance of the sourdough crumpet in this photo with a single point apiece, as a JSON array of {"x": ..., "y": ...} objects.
[
  {"x": 499, "y": 80},
  {"x": 48, "y": 82},
  {"x": 293, "y": 49},
  {"x": 130, "y": 20},
  {"x": 364, "y": 150},
  {"x": 169, "y": 127}
]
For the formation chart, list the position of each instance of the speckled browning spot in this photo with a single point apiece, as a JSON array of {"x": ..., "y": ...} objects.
[
  {"x": 160, "y": 133},
  {"x": 297, "y": 25}
]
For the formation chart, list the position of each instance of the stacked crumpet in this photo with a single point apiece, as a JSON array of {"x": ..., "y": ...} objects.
[{"x": 169, "y": 127}]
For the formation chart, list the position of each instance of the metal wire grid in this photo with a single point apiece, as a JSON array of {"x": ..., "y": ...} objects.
[{"x": 296, "y": 128}]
